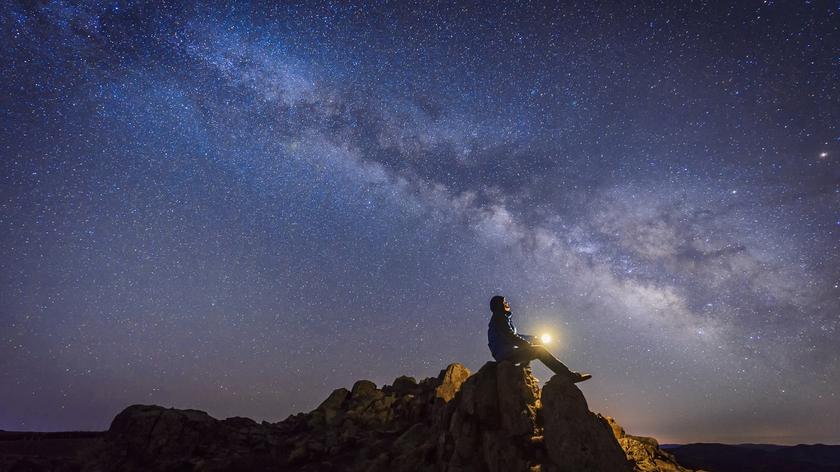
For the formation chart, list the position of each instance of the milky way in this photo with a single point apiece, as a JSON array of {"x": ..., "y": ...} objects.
[{"x": 241, "y": 208}]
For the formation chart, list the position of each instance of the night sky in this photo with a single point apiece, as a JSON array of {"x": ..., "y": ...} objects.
[{"x": 241, "y": 208}]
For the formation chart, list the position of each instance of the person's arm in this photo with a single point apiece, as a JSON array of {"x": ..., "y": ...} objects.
[{"x": 516, "y": 339}]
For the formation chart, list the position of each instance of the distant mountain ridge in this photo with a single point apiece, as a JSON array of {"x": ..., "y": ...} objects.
[{"x": 758, "y": 457}]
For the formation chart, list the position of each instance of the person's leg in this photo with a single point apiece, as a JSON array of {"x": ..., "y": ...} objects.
[
  {"x": 521, "y": 355},
  {"x": 550, "y": 361}
]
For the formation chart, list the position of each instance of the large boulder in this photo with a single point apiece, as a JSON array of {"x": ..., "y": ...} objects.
[
  {"x": 519, "y": 399},
  {"x": 329, "y": 411},
  {"x": 451, "y": 380},
  {"x": 153, "y": 431},
  {"x": 501, "y": 421},
  {"x": 149, "y": 437},
  {"x": 575, "y": 438},
  {"x": 493, "y": 421}
]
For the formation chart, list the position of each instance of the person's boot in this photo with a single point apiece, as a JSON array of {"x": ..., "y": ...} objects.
[{"x": 579, "y": 377}]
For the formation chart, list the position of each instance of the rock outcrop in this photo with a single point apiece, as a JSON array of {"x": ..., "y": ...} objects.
[
  {"x": 576, "y": 438},
  {"x": 644, "y": 452},
  {"x": 495, "y": 420}
]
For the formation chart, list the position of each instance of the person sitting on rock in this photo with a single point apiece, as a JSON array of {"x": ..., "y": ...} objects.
[{"x": 508, "y": 345}]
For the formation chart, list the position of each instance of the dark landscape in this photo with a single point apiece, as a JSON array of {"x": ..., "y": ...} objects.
[
  {"x": 214, "y": 214},
  {"x": 496, "y": 420}
]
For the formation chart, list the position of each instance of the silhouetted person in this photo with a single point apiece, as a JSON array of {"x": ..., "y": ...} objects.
[{"x": 507, "y": 345}]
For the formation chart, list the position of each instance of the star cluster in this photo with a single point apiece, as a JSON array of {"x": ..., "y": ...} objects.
[{"x": 239, "y": 208}]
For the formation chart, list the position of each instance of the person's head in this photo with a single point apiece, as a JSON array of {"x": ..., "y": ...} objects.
[{"x": 499, "y": 304}]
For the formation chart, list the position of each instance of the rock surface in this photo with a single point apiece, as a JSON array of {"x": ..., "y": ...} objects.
[
  {"x": 495, "y": 420},
  {"x": 644, "y": 452},
  {"x": 576, "y": 438}
]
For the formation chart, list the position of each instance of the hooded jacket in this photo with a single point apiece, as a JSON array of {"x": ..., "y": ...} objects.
[{"x": 502, "y": 337}]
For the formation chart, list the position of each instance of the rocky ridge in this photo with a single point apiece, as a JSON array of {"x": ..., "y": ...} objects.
[{"x": 497, "y": 419}]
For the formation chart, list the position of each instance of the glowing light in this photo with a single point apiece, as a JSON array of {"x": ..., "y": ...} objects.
[{"x": 545, "y": 338}]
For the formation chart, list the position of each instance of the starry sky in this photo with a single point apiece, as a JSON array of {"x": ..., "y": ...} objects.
[{"x": 238, "y": 208}]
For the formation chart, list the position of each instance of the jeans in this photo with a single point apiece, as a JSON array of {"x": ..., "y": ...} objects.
[{"x": 529, "y": 353}]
